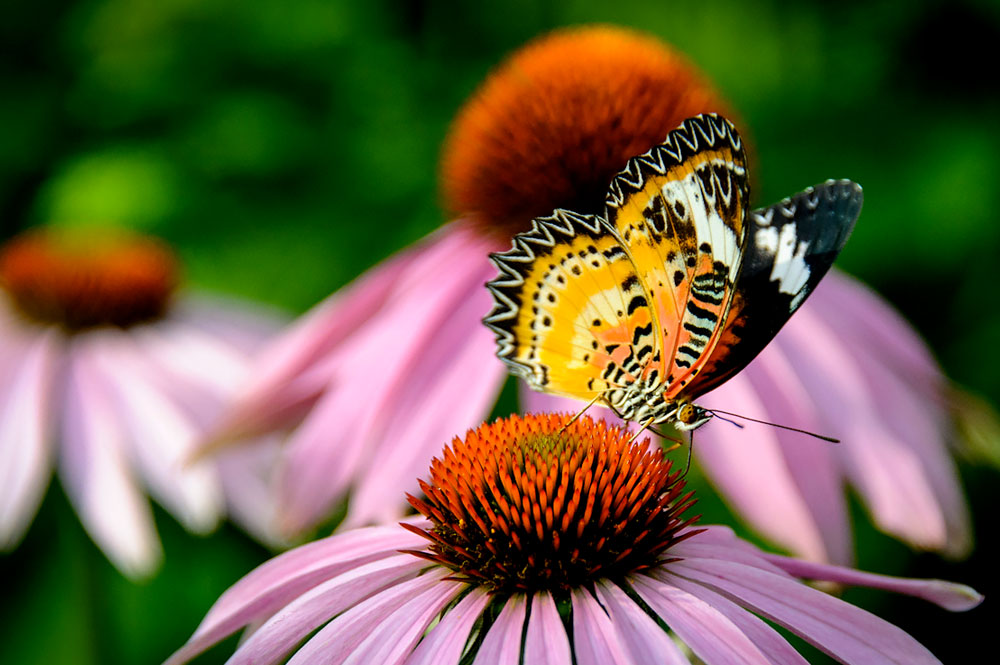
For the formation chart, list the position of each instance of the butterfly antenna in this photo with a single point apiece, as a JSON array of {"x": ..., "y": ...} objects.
[
  {"x": 726, "y": 420},
  {"x": 716, "y": 412}
]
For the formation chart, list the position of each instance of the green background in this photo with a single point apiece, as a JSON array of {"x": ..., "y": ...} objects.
[{"x": 283, "y": 147}]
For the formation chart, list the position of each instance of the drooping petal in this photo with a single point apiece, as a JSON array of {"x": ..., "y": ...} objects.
[
  {"x": 427, "y": 416},
  {"x": 889, "y": 473},
  {"x": 949, "y": 595},
  {"x": 735, "y": 462},
  {"x": 278, "y": 394},
  {"x": 160, "y": 437},
  {"x": 247, "y": 476},
  {"x": 595, "y": 640},
  {"x": 206, "y": 370},
  {"x": 377, "y": 380},
  {"x": 280, "y": 634},
  {"x": 869, "y": 324},
  {"x": 765, "y": 638},
  {"x": 274, "y": 584},
  {"x": 94, "y": 468},
  {"x": 502, "y": 644},
  {"x": 445, "y": 643},
  {"x": 908, "y": 387},
  {"x": 643, "y": 639},
  {"x": 805, "y": 482},
  {"x": 844, "y": 631},
  {"x": 707, "y": 631},
  {"x": 243, "y": 326},
  {"x": 383, "y": 629},
  {"x": 25, "y": 419},
  {"x": 546, "y": 642},
  {"x": 198, "y": 369}
]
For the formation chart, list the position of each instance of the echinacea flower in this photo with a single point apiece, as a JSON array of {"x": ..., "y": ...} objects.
[
  {"x": 402, "y": 354},
  {"x": 546, "y": 541},
  {"x": 110, "y": 378}
]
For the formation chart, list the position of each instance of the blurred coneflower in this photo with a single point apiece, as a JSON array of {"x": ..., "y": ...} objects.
[
  {"x": 546, "y": 543},
  {"x": 402, "y": 355},
  {"x": 107, "y": 375}
]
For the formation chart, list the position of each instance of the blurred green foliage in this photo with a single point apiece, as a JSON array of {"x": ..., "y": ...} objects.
[{"x": 284, "y": 146}]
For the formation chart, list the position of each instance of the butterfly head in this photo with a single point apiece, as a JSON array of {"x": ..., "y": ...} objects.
[{"x": 691, "y": 416}]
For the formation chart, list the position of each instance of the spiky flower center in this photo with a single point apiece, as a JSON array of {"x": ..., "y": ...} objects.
[
  {"x": 558, "y": 119},
  {"x": 83, "y": 279},
  {"x": 523, "y": 504}
]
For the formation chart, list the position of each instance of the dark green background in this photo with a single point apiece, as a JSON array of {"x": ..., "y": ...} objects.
[{"x": 283, "y": 147}]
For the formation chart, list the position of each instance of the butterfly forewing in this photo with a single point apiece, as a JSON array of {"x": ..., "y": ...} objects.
[
  {"x": 675, "y": 289},
  {"x": 680, "y": 213},
  {"x": 571, "y": 314},
  {"x": 790, "y": 246}
]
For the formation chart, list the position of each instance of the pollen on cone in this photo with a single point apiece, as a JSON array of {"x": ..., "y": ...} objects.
[{"x": 554, "y": 123}]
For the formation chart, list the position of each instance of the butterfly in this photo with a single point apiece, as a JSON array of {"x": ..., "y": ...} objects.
[{"x": 674, "y": 289}]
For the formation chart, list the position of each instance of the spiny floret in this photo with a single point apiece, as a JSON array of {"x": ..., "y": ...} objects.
[{"x": 530, "y": 503}]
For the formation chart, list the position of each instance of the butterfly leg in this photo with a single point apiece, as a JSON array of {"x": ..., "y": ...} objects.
[
  {"x": 677, "y": 442},
  {"x": 642, "y": 429},
  {"x": 582, "y": 411}
]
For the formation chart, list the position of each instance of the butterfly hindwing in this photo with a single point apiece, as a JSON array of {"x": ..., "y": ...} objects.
[
  {"x": 790, "y": 246},
  {"x": 680, "y": 211},
  {"x": 571, "y": 315}
]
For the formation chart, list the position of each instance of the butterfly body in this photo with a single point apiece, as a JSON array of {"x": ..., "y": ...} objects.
[{"x": 673, "y": 289}]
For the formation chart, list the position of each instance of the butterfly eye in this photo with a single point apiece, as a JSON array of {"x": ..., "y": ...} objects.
[{"x": 686, "y": 414}]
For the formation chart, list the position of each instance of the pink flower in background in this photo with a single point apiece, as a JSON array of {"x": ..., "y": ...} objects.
[
  {"x": 373, "y": 379},
  {"x": 529, "y": 529},
  {"x": 106, "y": 377}
]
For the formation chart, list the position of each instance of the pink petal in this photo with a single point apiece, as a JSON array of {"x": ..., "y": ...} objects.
[
  {"x": 912, "y": 419},
  {"x": 382, "y": 629},
  {"x": 159, "y": 435},
  {"x": 888, "y": 472},
  {"x": 445, "y": 642},
  {"x": 871, "y": 325},
  {"x": 274, "y": 396},
  {"x": 949, "y": 595},
  {"x": 810, "y": 477},
  {"x": 95, "y": 472},
  {"x": 844, "y": 631},
  {"x": 711, "y": 636},
  {"x": 281, "y": 633},
  {"x": 502, "y": 644},
  {"x": 25, "y": 419},
  {"x": 244, "y": 326},
  {"x": 642, "y": 638},
  {"x": 247, "y": 476},
  {"x": 736, "y": 461},
  {"x": 426, "y": 417},
  {"x": 431, "y": 322},
  {"x": 595, "y": 640},
  {"x": 777, "y": 650},
  {"x": 546, "y": 642},
  {"x": 199, "y": 361},
  {"x": 277, "y": 582}
]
